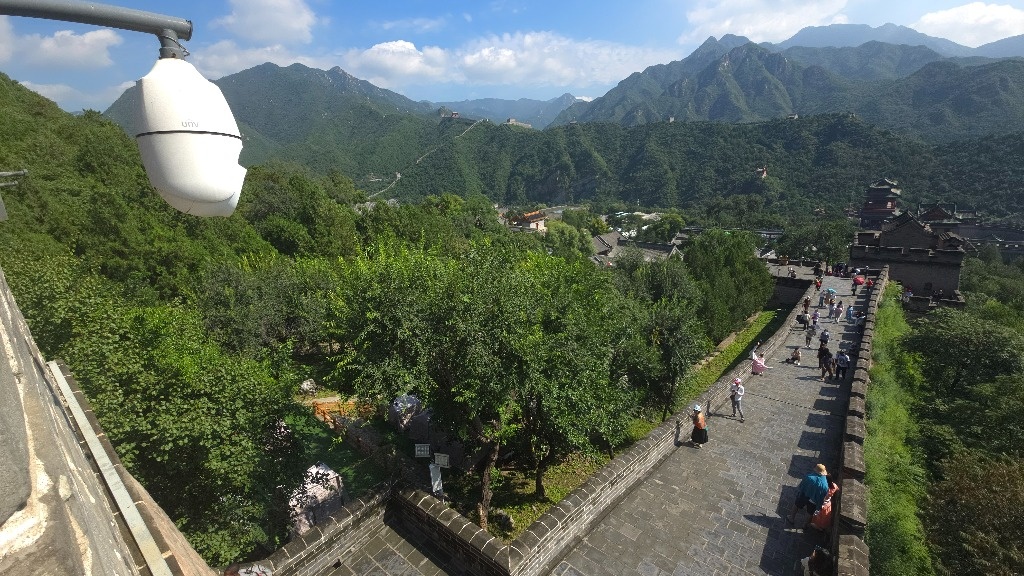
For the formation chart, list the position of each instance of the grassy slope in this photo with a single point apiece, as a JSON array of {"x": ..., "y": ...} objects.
[{"x": 895, "y": 474}]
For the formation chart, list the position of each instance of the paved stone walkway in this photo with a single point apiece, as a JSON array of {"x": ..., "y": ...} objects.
[
  {"x": 720, "y": 510},
  {"x": 715, "y": 511}
]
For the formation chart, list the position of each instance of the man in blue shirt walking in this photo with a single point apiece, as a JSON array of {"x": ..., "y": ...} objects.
[{"x": 811, "y": 492}]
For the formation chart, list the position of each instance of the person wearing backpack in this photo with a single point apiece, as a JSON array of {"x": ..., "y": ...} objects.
[
  {"x": 842, "y": 364},
  {"x": 825, "y": 337}
]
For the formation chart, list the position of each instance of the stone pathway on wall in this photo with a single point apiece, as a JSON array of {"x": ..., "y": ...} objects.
[
  {"x": 720, "y": 510},
  {"x": 715, "y": 511}
]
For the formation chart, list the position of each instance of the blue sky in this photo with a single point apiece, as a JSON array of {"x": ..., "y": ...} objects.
[{"x": 448, "y": 51}]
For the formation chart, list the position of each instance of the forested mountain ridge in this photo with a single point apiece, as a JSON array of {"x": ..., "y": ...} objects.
[
  {"x": 708, "y": 168},
  {"x": 751, "y": 83},
  {"x": 537, "y": 113}
]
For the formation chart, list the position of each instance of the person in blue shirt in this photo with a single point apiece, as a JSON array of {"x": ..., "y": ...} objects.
[{"x": 811, "y": 492}]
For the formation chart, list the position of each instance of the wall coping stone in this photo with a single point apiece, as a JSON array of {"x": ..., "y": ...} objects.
[
  {"x": 855, "y": 429},
  {"x": 853, "y": 461},
  {"x": 853, "y": 557}
]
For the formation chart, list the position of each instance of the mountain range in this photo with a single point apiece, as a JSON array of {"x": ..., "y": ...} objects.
[{"x": 837, "y": 101}]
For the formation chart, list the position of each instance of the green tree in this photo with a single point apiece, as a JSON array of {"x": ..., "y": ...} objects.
[
  {"x": 960, "y": 351},
  {"x": 733, "y": 281},
  {"x": 566, "y": 241},
  {"x": 973, "y": 515}
]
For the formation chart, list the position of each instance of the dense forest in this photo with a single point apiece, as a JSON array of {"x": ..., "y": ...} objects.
[
  {"x": 946, "y": 431},
  {"x": 190, "y": 336}
]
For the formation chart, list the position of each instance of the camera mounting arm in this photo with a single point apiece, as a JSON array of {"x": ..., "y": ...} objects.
[{"x": 167, "y": 28}]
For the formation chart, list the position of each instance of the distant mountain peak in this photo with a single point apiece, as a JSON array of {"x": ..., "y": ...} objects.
[{"x": 853, "y": 35}]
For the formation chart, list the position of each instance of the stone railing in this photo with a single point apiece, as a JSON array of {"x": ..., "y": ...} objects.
[{"x": 850, "y": 513}]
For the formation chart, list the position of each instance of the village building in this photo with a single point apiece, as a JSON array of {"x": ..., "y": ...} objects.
[
  {"x": 948, "y": 217},
  {"x": 535, "y": 221}
]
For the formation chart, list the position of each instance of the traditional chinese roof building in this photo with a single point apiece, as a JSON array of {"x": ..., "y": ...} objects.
[{"x": 879, "y": 203}]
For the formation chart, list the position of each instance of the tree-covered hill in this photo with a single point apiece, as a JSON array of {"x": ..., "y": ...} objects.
[
  {"x": 329, "y": 121},
  {"x": 326, "y": 120},
  {"x": 190, "y": 336},
  {"x": 708, "y": 168},
  {"x": 537, "y": 113},
  {"x": 849, "y": 35},
  {"x": 943, "y": 100}
]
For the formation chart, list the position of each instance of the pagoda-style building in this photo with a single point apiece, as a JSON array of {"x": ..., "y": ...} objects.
[{"x": 879, "y": 204}]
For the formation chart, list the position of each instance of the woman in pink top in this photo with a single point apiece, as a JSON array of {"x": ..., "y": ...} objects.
[{"x": 757, "y": 366}]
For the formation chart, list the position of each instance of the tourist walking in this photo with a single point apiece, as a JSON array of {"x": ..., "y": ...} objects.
[
  {"x": 824, "y": 337},
  {"x": 699, "y": 435},
  {"x": 822, "y": 517},
  {"x": 811, "y": 492},
  {"x": 807, "y": 304},
  {"x": 736, "y": 392},
  {"x": 849, "y": 314},
  {"x": 758, "y": 366},
  {"x": 842, "y": 364},
  {"x": 825, "y": 362},
  {"x": 814, "y": 318},
  {"x": 839, "y": 313},
  {"x": 809, "y": 335}
]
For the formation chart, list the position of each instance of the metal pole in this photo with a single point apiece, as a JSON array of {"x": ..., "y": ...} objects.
[{"x": 99, "y": 15}]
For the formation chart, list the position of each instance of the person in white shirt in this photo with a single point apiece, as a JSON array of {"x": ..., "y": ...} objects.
[{"x": 736, "y": 392}]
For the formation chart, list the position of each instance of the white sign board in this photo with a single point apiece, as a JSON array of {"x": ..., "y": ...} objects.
[
  {"x": 435, "y": 480},
  {"x": 423, "y": 450},
  {"x": 441, "y": 460}
]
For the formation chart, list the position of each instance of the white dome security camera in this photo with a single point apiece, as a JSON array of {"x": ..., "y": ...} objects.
[{"x": 188, "y": 139}]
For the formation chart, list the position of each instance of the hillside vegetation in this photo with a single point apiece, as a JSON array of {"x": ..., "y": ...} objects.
[{"x": 190, "y": 336}]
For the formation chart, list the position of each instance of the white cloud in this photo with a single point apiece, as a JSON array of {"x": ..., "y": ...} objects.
[
  {"x": 66, "y": 49},
  {"x": 7, "y": 39},
  {"x": 63, "y": 50},
  {"x": 522, "y": 59},
  {"x": 226, "y": 57},
  {"x": 393, "y": 64},
  {"x": 74, "y": 99},
  {"x": 416, "y": 25},
  {"x": 759, "y": 20},
  {"x": 270, "y": 21},
  {"x": 973, "y": 24}
]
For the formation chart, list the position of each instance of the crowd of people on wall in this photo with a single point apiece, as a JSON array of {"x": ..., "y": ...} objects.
[{"x": 817, "y": 490}]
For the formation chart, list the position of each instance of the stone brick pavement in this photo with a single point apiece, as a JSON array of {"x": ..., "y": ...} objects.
[
  {"x": 720, "y": 510},
  {"x": 715, "y": 511}
]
